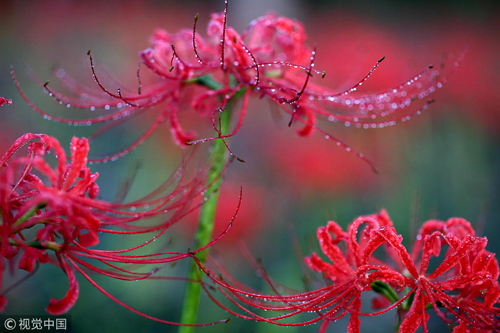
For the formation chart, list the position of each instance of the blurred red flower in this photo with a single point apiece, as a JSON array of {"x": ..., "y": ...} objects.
[
  {"x": 311, "y": 163},
  {"x": 251, "y": 216}
]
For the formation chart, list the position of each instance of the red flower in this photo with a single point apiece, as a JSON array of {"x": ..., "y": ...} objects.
[
  {"x": 270, "y": 58},
  {"x": 463, "y": 290},
  {"x": 62, "y": 203},
  {"x": 351, "y": 275},
  {"x": 353, "y": 266}
]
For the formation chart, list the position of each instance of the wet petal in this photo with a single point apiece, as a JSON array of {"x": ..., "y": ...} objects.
[{"x": 57, "y": 307}]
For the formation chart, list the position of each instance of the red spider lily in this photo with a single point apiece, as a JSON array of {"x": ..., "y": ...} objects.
[
  {"x": 351, "y": 275},
  {"x": 270, "y": 58},
  {"x": 60, "y": 204},
  {"x": 463, "y": 289}
]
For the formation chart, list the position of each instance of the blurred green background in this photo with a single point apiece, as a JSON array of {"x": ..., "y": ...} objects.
[{"x": 442, "y": 164}]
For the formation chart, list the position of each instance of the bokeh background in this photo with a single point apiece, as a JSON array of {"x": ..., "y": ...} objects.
[{"x": 442, "y": 164}]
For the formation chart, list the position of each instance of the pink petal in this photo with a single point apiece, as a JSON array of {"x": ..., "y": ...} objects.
[
  {"x": 458, "y": 227},
  {"x": 394, "y": 240},
  {"x": 353, "y": 232},
  {"x": 354, "y": 323},
  {"x": 79, "y": 151},
  {"x": 21, "y": 141},
  {"x": 332, "y": 251},
  {"x": 91, "y": 238},
  {"x": 29, "y": 258},
  {"x": 61, "y": 159},
  {"x": 467, "y": 245},
  {"x": 415, "y": 317}
]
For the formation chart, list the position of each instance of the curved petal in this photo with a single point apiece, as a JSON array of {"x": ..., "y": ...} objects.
[
  {"x": 79, "y": 151},
  {"x": 57, "y": 307}
]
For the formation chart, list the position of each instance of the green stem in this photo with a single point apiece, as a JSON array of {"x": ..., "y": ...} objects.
[
  {"x": 36, "y": 244},
  {"x": 205, "y": 225},
  {"x": 386, "y": 290},
  {"x": 398, "y": 323},
  {"x": 28, "y": 214},
  {"x": 207, "y": 81}
]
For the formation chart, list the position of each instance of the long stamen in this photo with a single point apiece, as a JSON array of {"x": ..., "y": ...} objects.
[
  {"x": 360, "y": 82},
  {"x": 194, "y": 39},
  {"x": 139, "y": 88},
  {"x": 255, "y": 64},
  {"x": 223, "y": 39},
  {"x": 97, "y": 79}
]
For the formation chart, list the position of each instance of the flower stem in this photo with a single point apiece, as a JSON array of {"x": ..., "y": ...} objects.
[
  {"x": 386, "y": 290},
  {"x": 37, "y": 245},
  {"x": 29, "y": 213},
  {"x": 203, "y": 234}
]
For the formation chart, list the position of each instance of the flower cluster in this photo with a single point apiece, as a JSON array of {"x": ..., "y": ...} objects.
[
  {"x": 463, "y": 289},
  {"x": 56, "y": 209},
  {"x": 270, "y": 58}
]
